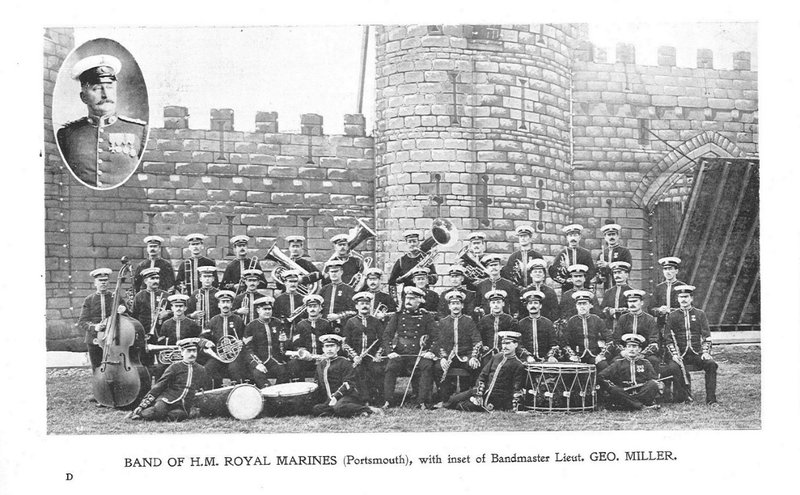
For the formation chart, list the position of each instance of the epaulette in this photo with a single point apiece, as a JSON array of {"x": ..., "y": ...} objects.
[
  {"x": 75, "y": 122},
  {"x": 131, "y": 120}
]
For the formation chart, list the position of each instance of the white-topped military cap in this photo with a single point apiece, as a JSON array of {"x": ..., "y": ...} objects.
[
  {"x": 96, "y": 66},
  {"x": 153, "y": 239},
  {"x": 240, "y": 239},
  {"x": 575, "y": 227},
  {"x": 100, "y": 272}
]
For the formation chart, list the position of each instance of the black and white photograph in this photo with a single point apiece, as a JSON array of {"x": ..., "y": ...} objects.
[{"x": 360, "y": 252}]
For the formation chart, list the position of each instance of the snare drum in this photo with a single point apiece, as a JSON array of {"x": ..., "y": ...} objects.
[
  {"x": 564, "y": 387},
  {"x": 289, "y": 399},
  {"x": 237, "y": 401}
]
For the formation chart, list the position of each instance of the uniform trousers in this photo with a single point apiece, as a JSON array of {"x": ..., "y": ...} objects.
[
  {"x": 633, "y": 400},
  {"x": 369, "y": 380},
  {"x": 461, "y": 402},
  {"x": 160, "y": 411},
  {"x": 346, "y": 407},
  {"x": 299, "y": 369},
  {"x": 275, "y": 370},
  {"x": 683, "y": 391},
  {"x": 237, "y": 370},
  {"x": 404, "y": 365},
  {"x": 454, "y": 384}
]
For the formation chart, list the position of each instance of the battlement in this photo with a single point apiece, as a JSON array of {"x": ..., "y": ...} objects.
[{"x": 625, "y": 53}]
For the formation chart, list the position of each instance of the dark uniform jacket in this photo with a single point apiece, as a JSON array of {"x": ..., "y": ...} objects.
[
  {"x": 190, "y": 265},
  {"x": 306, "y": 335},
  {"x": 262, "y": 339},
  {"x": 361, "y": 334},
  {"x": 511, "y": 305},
  {"x": 145, "y": 303},
  {"x": 335, "y": 378},
  {"x": 663, "y": 295},
  {"x": 233, "y": 274},
  {"x": 379, "y": 298},
  {"x": 550, "y": 309},
  {"x": 103, "y": 151},
  {"x": 405, "y": 329},
  {"x": 490, "y": 325},
  {"x": 469, "y": 302},
  {"x": 466, "y": 339},
  {"x": 176, "y": 329},
  {"x": 245, "y": 300},
  {"x": 313, "y": 272},
  {"x": 681, "y": 337},
  {"x": 96, "y": 308},
  {"x": 642, "y": 324},
  {"x": 285, "y": 304},
  {"x": 166, "y": 280},
  {"x": 627, "y": 372},
  {"x": 431, "y": 303},
  {"x": 222, "y": 325},
  {"x": 351, "y": 266},
  {"x": 180, "y": 382},
  {"x": 538, "y": 338},
  {"x": 614, "y": 298},
  {"x": 337, "y": 298},
  {"x": 508, "y": 377},
  {"x": 209, "y": 303},
  {"x": 617, "y": 253},
  {"x": 583, "y": 333},
  {"x": 567, "y": 306},
  {"x": 571, "y": 256},
  {"x": 404, "y": 264},
  {"x": 512, "y": 272}
]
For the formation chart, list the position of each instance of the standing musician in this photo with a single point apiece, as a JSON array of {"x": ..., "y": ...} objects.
[
  {"x": 491, "y": 325},
  {"x": 458, "y": 346},
  {"x": 351, "y": 264},
  {"x": 492, "y": 262},
  {"x": 457, "y": 275},
  {"x": 203, "y": 304},
  {"x": 573, "y": 254},
  {"x": 408, "y": 262},
  {"x": 636, "y": 321},
  {"x": 611, "y": 253},
  {"x": 663, "y": 299},
  {"x": 177, "y": 328},
  {"x": 630, "y": 382},
  {"x": 303, "y": 341},
  {"x": 566, "y": 307},
  {"x": 290, "y": 302},
  {"x": 538, "y": 274},
  {"x": 95, "y": 311},
  {"x": 363, "y": 335},
  {"x": 420, "y": 278},
  {"x": 382, "y": 303},
  {"x": 187, "y": 279},
  {"x": 337, "y": 296},
  {"x": 153, "y": 245},
  {"x": 409, "y": 338},
  {"x": 223, "y": 325},
  {"x": 151, "y": 308},
  {"x": 586, "y": 335},
  {"x": 265, "y": 342},
  {"x": 295, "y": 246},
  {"x": 337, "y": 384},
  {"x": 688, "y": 338},
  {"x": 173, "y": 395},
  {"x": 244, "y": 304},
  {"x": 500, "y": 384},
  {"x": 233, "y": 278},
  {"x": 614, "y": 302},
  {"x": 518, "y": 266},
  {"x": 471, "y": 259},
  {"x": 539, "y": 341}
]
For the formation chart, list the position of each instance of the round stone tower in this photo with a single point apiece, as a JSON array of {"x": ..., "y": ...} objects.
[{"x": 473, "y": 125}]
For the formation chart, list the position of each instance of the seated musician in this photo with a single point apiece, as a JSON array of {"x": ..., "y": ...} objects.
[
  {"x": 500, "y": 384},
  {"x": 203, "y": 305},
  {"x": 539, "y": 341},
  {"x": 337, "y": 296},
  {"x": 265, "y": 342},
  {"x": 244, "y": 303},
  {"x": 337, "y": 383},
  {"x": 496, "y": 282},
  {"x": 457, "y": 275},
  {"x": 173, "y": 394},
  {"x": 302, "y": 347},
  {"x": 403, "y": 266},
  {"x": 362, "y": 342},
  {"x": 287, "y": 305},
  {"x": 585, "y": 334},
  {"x": 233, "y": 277},
  {"x": 517, "y": 268},
  {"x": 566, "y": 307},
  {"x": 225, "y": 331},
  {"x": 95, "y": 311},
  {"x": 493, "y": 323},
  {"x": 614, "y": 302},
  {"x": 458, "y": 347},
  {"x": 382, "y": 303},
  {"x": 176, "y": 328},
  {"x": 151, "y": 307},
  {"x": 420, "y": 278},
  {"x": 351, "y": 264},
  {"x": 630, "y": 382},
  {"x": 538, "y": 274}
]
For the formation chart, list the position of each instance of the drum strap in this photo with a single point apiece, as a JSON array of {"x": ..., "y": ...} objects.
[{"x": 494, "y": 377}]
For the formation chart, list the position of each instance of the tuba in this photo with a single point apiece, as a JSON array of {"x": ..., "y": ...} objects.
[
  {"x": 443, "y": 233},
  {"x": 285, "y": 263},
  {"x": 359, "y": 234}
]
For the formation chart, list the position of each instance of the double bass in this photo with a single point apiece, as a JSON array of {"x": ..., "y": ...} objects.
[{"x": 120, "y": 379}]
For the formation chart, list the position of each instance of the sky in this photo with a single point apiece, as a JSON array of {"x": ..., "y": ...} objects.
[{"x": 315, "y": 69}]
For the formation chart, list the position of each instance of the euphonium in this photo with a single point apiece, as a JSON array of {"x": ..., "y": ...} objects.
[
  {"x": 285, "y": 263},
  {"x": 473, "y": 266}
]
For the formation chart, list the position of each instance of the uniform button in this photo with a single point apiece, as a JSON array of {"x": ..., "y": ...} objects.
[
  {"x": 100, "y": 139},
  {"x": 99, "y": 172}
]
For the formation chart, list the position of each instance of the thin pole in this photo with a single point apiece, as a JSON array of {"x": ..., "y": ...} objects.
[{"x": 364, "y": 45}]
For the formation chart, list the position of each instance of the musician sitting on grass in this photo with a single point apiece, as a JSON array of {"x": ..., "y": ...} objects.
[
  {"x": 362, "y": 342},
  {"x": 630, "y": 382},
  {"x": 172, "y": 396},
  {"x": 226, "y": 331},
  {"x": 337, "y": 383}
]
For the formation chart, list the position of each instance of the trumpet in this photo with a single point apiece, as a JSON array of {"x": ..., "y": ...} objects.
[
  {"x": 285, "y": 263},
  {"x": 160, "y": 306}
]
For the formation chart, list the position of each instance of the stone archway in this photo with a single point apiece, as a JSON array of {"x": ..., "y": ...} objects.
[{"x": 661, "y": 176}]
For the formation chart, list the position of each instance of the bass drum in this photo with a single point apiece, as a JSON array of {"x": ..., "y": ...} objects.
[
  {"x": 236, "y": 401},
  {"x": 289, "y": 399}
]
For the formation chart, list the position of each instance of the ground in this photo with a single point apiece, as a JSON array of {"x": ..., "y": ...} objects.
[{"x": 738, "y": 389}]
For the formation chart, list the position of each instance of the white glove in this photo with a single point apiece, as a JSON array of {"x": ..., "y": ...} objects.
[
  {"x": 429, "y": 355},
  {"x": 574, "y": 359},
  {"x": 474, "y": 363},
  {"x": 356, "y": 359},
  {"x": 599, "y": 358},
  {"x": 705, "y": 356},
  {"x": 332, "y": 402},
  {"x": 443, "y": 363},
  {"x": 260, "y": 367},
  {"x": 552, "y": 359},
  {"x": 393, "y": 355}
]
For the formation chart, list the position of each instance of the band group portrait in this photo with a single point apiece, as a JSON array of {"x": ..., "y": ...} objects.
[{"x": 285, "y": 335}]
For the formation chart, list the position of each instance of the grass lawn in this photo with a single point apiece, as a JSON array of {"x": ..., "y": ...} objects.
[{"x": 738, "y": 390}]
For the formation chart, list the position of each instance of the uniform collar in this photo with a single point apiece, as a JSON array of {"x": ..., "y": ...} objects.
[{"x": 103, "y": 121}]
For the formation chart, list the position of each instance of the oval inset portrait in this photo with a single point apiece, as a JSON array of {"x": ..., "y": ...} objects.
[{"x": 100, "y": 114}]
